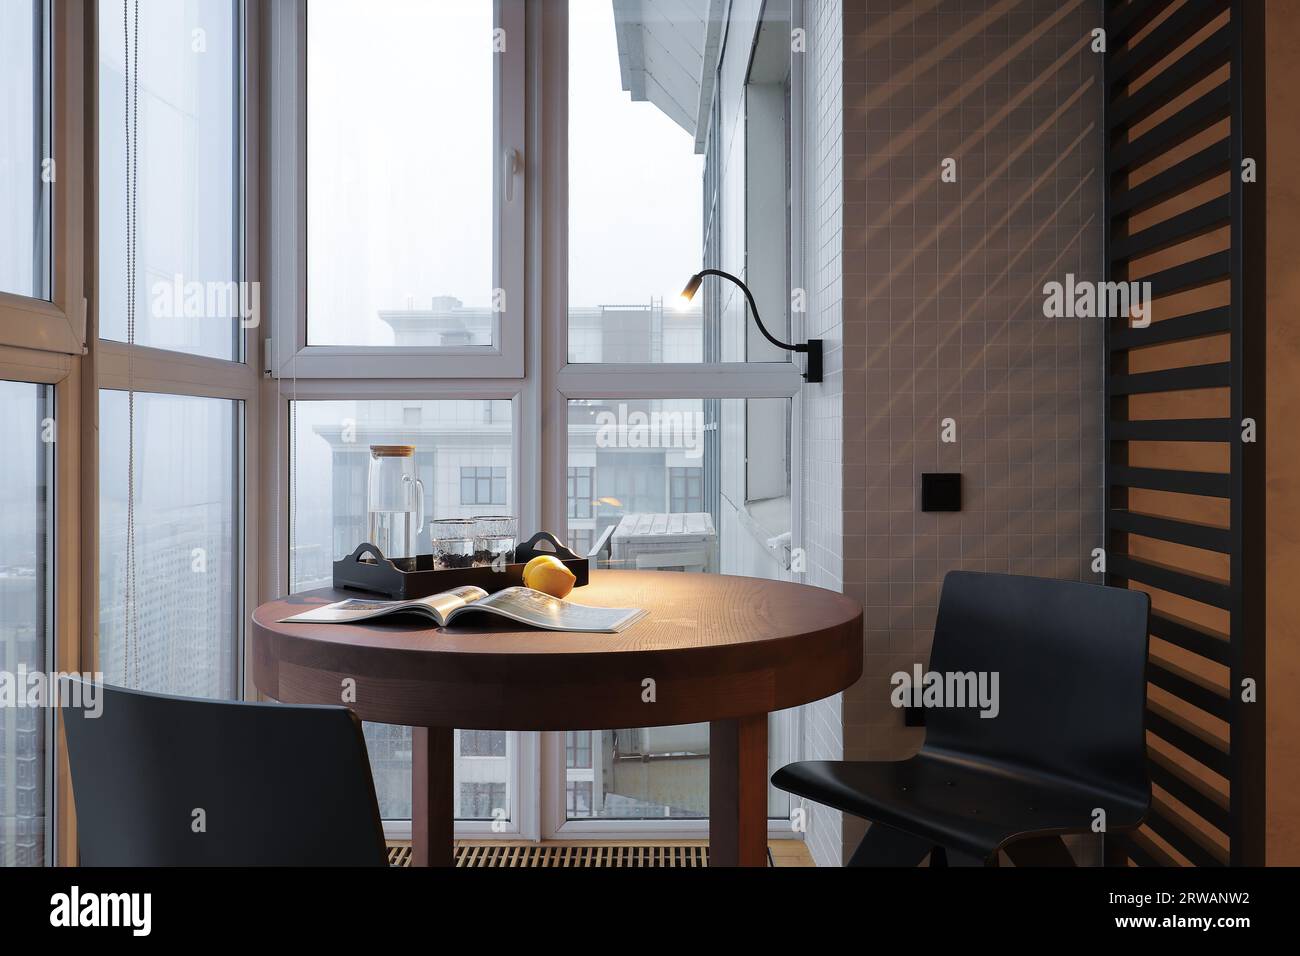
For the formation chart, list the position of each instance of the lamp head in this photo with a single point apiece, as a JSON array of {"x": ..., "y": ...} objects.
[{"x": 692, "y": 287}]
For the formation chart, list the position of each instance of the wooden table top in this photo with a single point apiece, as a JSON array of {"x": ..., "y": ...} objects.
[{"x": 715, "y": 646}]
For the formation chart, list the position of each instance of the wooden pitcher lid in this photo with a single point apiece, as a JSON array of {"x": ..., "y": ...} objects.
[{"x": 392, "y": 451}]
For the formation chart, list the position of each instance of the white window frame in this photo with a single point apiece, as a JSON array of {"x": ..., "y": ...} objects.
[
  {"x": 41, "y": 343},
  {"x": 276, "y": 489},
  {"x": 58, "y": 324},
  {"x": 119, "y": 366},
  {"x": 538, "y": 380},
  {"x": 289, "y": 354},
  {"x": 557, "y": 381}
]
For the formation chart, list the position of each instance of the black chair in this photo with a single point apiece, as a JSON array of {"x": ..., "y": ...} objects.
[
  {"x": 1068, "y": 738},
  {"x": 270, "y": 784}
]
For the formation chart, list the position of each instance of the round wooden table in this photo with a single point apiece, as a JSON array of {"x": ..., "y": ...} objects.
[{"x": 717, "y": 648}]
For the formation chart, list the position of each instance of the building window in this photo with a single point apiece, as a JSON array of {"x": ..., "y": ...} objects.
[
  {"x": 483, "y": 486},
  {"x": 579, "y": 798},
  {"x": 479, "y": 800},
  {"x": 580, "y": 540},
  {"x": 482, "y": 743},
  {"x": 686, "y": 490},
  {"x": 580, "y": 487},
  {"x": 577, "y": 749}
]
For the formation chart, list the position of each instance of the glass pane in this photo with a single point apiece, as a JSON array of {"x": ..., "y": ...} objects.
[
  {"x": 188, "y": 545},
  {"x": 463, "y": 449},
  {"x": 24, "y": 124},
  {"x": 710, "y": 477},
  {"x": 187, "y": 296},
  {"x": 399, "y": 173},
  {"x": 25, "y": 612},
  {"x": 659, "y": 188}
]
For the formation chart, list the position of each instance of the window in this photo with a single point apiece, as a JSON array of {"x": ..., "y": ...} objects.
[
  {"x": 483, "y": 486},
  {"x": 188, "y": 609},
  {"x": 25, "y": 148},
  {"x": 580, "y": 488},
  {"x": 580, "y": 541},
  {"x": 390, "y": 263},
  {"x": 617, "y": 290},
  {"x": 482, "y": 743},
  {"x": 328, "y": 470},
  {"x": 481, "y": 801},
  {"x": 413, "y": 187},
  {"x": 26, "y": 544},
  {"x": 577, "y": 749},
  {"x": 189, "y": 297},
  {"x": 579, "y": 798},
  {"x": 685, "y": 489},
  {"x": 654, "y": 459}
]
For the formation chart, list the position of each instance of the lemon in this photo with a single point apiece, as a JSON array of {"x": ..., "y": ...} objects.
[{"x": 548, "y": 574}]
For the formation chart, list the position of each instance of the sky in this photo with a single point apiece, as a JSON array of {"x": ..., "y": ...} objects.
[{"x": 400, "y": 167}]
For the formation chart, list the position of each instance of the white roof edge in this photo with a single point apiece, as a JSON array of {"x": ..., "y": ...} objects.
[{"x": 708, "y": 70}]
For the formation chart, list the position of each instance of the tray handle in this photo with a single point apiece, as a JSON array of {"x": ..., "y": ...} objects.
[
  {"x": 364, "y": 548},
  {"x": 529, "y": 550}
]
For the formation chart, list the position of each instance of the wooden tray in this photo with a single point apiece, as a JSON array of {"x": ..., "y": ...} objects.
[{"x": 366, "y": 569}]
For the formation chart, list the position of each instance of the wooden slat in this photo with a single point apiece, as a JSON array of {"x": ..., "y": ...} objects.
[
  {"x": 1198, "y": 587},
  {"x": 1191, "y": 637},
  {"x": 1188, "y": 738},
  {"x": 1171, "y": 830},
  {"x": 1211, "y": 375},
  {"x": 1186, "y": 174},
  {"x": 1179, "y": 27},
  {"x": 1192, "y": 534},
  {"x": 1178, "y": 77},
  {"x": 1197, "y": 117},
  {"x": 1190, "y": 275},
  {"x": 1185, "y": 685},
  {"x": 1174, "y": 429},
  {"x": 1207, "y": 483},
  {"x": 1190, "y": 796},
  {"x": 1176, "y": 329},
  {"x": 1145, "y": 851},
  {"x": 1127, "y": 20},
  {"x": 1169, "y": 232}
]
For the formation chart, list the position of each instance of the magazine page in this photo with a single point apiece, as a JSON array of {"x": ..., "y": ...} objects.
[
  {"x": 435, "y": 606},
  {"x": 541, "y": 610}
]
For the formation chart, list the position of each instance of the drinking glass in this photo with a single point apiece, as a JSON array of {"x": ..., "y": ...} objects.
[
  {"x": 494, "y": 538},
  {"x": 453, "y": 542}
]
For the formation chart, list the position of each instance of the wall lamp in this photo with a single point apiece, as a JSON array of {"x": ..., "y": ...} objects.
[{"x": 812, "y": 348}]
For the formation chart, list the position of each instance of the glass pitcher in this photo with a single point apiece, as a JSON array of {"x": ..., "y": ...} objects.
[{"x": 394, "y": 500}]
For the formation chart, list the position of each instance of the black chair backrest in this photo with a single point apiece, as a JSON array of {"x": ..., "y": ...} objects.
[
  {"x": 174, "y": 781},
  {"x": 1071, "y": 665}
]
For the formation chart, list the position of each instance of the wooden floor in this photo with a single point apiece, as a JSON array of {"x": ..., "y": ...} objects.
[{"x": 593, "y": 853}]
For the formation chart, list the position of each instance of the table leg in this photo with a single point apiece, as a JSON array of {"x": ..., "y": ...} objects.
[
  {"x": 738, "y": 792},
  {"x": 433, "y": 812}
]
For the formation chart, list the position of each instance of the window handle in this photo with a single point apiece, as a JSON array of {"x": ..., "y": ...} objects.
[{"x": 509, "y": 168}]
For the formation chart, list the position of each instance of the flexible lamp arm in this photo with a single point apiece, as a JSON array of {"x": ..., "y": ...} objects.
[{"x": 812, "y": 348}]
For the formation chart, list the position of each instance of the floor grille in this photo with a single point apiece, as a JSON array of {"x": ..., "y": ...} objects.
[{"x": 571, "y": 855}]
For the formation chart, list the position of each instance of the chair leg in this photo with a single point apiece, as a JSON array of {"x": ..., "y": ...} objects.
[
  {"x": 885, "y": 846},
  {"x": 1039, "y": 851},
  {"x": 943, "y": 856}
]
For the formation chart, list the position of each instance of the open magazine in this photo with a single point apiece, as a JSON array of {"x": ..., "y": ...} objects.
[{"x": 518, "y": 604}]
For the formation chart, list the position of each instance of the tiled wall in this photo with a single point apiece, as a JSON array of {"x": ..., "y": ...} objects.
[
  {"x": 823, "y": 405},
  {"x": 942, "y": 317}
]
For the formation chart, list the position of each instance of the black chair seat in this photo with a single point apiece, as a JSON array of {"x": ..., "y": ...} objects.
[
  {"x": 1061, "y": 736},
  {"x": 954, "y": 802}
]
